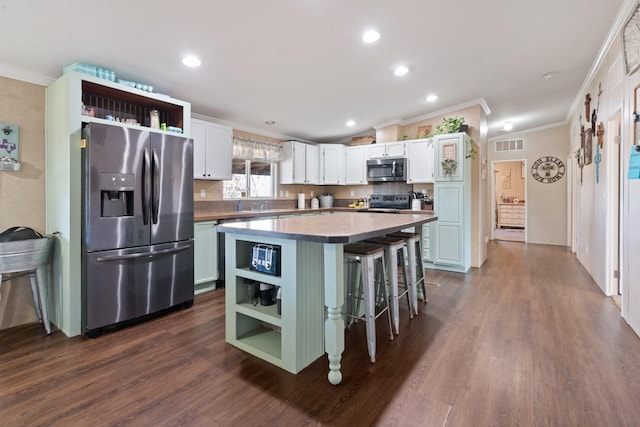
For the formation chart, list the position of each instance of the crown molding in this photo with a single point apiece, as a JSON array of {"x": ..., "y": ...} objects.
[
  {"x": 241, "y": 127},
  {"x": 478, "y": 101},
  {"x": 521, "y": 133},
  {"x": 625, "y": 12},
  {"x": 25, "y": 76}
]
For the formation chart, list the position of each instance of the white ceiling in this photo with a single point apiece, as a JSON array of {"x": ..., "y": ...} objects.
[{"x": 302, "y": 63}]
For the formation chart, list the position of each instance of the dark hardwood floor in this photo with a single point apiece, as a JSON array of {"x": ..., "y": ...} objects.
[{"x": 526, "y": 340}]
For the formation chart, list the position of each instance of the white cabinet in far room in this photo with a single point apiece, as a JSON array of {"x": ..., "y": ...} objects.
[
  {"x": 205, "y": 258},
  {"x": 420, "y": 159},
  {"x": 355, "y": 165},
  {"x": 212, "y": 150},
  {"x": 388, "y": 149},
  {"x": 332, "y": 169},
  {"x": 299, "y": 164}
]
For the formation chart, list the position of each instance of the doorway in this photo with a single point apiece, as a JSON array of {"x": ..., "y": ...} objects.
[{"x": 509, "y": 213}]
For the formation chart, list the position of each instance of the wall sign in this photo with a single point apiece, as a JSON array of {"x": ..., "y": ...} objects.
[{"x": 547, "y": 169}]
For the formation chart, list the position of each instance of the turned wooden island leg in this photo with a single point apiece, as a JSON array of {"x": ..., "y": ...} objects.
[{"x": 333, "y": 300}]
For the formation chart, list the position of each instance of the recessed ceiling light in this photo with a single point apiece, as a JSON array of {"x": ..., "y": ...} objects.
[
  {"x": 351, "y": 123},
  {"x": 270, "y": 122},
  {"x": 401, "y": 70},
  {"x": 432, "y": 98},
  {"x": 508, "y": 126},
  {"x": 191, "y": 61},
  {"x": 370, "y": 36}
]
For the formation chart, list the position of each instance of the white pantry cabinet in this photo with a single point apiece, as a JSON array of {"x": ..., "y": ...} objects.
[{"x": 212, "y": 150}]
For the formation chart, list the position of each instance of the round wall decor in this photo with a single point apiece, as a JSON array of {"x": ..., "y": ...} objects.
[{"x": 547, "y": 169}]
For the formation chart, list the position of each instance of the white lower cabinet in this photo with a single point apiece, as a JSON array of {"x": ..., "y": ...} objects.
[{"x": 205, "y": 262}]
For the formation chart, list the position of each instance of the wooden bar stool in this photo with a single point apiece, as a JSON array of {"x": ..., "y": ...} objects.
[
  {"x": 370, "y": 286},
  {"x": 393, "y": 251},
  {"x": 416, "y": 268}
]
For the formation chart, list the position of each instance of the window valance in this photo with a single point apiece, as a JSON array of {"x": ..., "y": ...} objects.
[{"x": 252, "y": 149}]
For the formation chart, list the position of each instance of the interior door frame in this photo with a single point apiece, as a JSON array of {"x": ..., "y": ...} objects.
[{"x": 494, "y": 193}]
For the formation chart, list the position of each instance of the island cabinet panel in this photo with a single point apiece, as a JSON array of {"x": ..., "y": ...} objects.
[{"x": 295, "y": 338}]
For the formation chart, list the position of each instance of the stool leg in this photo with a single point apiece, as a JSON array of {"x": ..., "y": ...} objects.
[
  {"x": 383, "y": 285},
  {"x": 402, "y": 260},
  {"x": 369, "y": 306},
  {"x": 392, "y": 262},
  {"x": 422, "y": 279},
  {"x": 411, "y": 249}
]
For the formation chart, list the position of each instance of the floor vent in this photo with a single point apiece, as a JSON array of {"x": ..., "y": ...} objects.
[{"x": 510, "y": 145}]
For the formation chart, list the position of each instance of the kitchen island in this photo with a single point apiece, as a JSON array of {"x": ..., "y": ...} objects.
[{"x": 310, "y": 253}]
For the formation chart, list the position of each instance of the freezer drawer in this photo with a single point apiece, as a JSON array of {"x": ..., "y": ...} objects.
[{"x": 122, "y": 285}]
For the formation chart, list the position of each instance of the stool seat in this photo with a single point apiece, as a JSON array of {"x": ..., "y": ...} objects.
[
  {"x": 386, "y": 240},
  {"x": 404, "y": 235},
  {"x": 362, "y": 248}
]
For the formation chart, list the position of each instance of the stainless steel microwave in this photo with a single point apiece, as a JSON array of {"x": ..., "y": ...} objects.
[{"x": 387, "y": 169}]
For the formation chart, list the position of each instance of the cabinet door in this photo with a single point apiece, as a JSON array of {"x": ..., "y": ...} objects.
[
  {"x": 355, "y": 165},
  {"x": 447, "y": 240},
  {"x": 420, "y": 159},
  {"x": 219, "y": 151},
  {"x": 299, "y": 163},
  {"x": 212, "y": 150},
  {"x": 205, "y": 262},
  {"x": 449, "y": 147},
  {"x": 331, "y": 164},
  {"x": 312, "y": 159},
  {"x": 395, "y": 149},
  {"x": 198, "y": 133},
  {"x": 376, "y": 151}
]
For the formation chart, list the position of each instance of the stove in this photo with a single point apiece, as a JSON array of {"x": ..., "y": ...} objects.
[{"x": 390, "y": 201}]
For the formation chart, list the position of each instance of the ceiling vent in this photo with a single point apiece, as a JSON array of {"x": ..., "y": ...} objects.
[{"x": 510, "y": 145}]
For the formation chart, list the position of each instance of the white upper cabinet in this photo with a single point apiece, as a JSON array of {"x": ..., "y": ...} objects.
[
  {"x": 332, "y": 168},
  {"x": 212, "y": 150},
  {"x": 388, "y": 149},
  {"x": 450, "y": 148},
  {"x": 356, "y": 164},
  {"x": 420, "y": 160},
  {"x": 299, "y": 164}
]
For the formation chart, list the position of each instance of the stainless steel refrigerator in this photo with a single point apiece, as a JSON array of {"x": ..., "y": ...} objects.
[{"x": 137, "y": 225}]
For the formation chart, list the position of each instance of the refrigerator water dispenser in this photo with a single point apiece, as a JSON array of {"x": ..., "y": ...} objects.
[{"x": 116, "y": 194}]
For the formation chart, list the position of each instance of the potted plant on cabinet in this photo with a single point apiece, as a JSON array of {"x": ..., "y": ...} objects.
[{"x": 451, "y": 125}]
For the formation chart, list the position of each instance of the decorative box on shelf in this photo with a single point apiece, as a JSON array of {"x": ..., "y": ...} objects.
[{"x": 9, "y": 166}]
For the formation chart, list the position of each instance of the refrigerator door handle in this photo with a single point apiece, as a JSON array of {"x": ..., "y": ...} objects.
[
  {"x": 146, "y": 190},
  {"x": 155, "y": 179},
  {"x": 141, "y": 255}
]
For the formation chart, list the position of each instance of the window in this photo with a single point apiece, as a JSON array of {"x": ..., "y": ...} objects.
[{"x": 259, "y": 182}]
